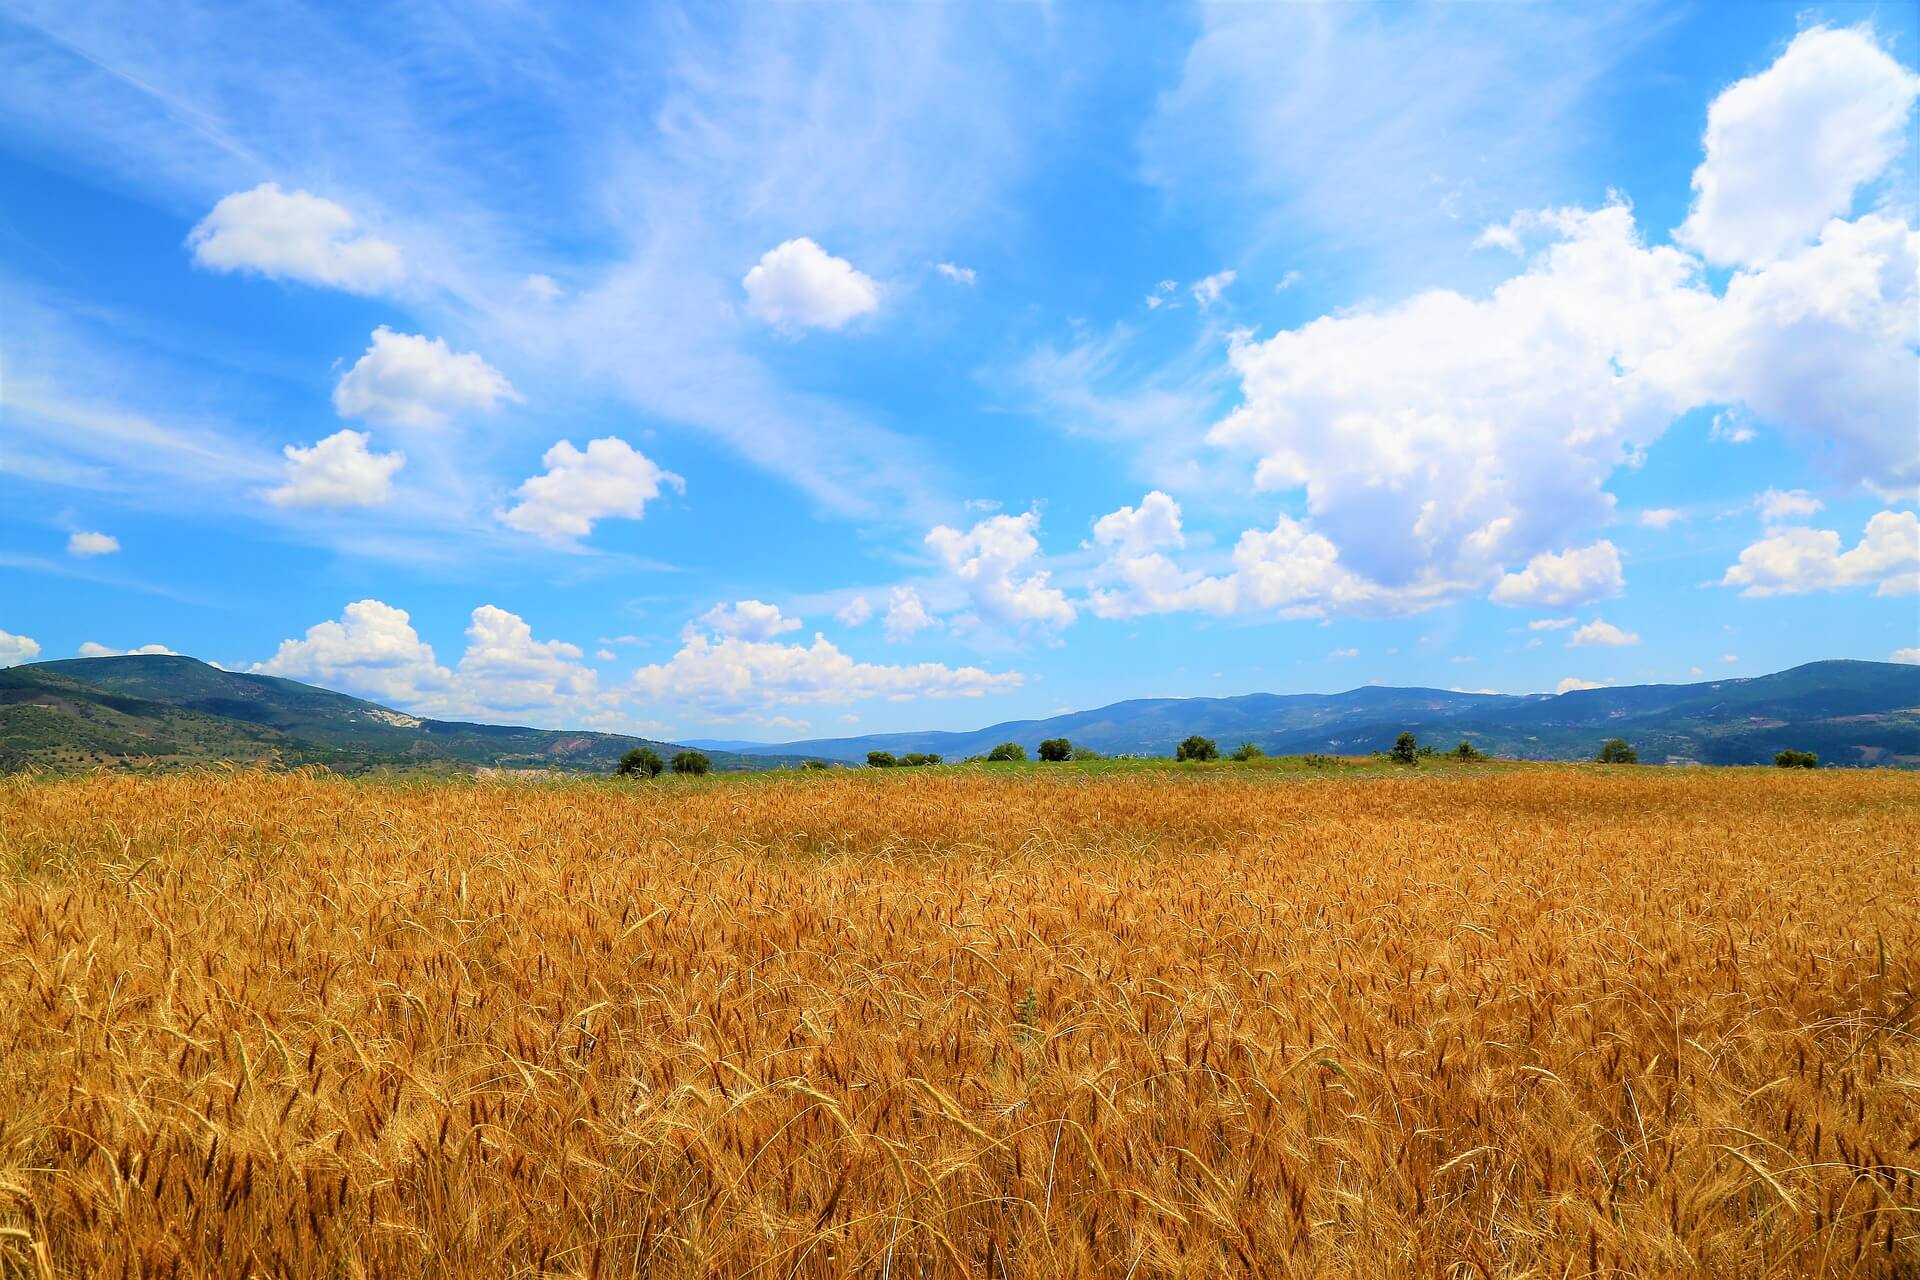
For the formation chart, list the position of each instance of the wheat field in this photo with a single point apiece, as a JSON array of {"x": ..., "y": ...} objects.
[{"x": 1551, "y": 1021}]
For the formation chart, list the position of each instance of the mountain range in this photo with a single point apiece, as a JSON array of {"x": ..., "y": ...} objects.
[
  {"x": 166, "y": 710},
  {"x": 169, "y": 710},
  {"x": 1856, "y": 713}
]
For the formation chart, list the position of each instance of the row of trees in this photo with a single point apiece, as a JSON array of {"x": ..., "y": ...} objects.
[
  {"x": 912, "y": 760},
  {"x": 645, "y": 762}
]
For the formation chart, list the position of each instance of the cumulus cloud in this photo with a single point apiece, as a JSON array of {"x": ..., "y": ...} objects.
[
  {"x": 730, "y": 675},
  {"x": 747, "y": 619},
  {"x": 1207, "y": 291},
  {"x": 1910, "y": 656},
  {"x": 1574, "y": 576},
  {"x": 406, "y": 380},
  {"x": 1572, "y": 683},
  {"x": 1787, "y": 149},
  {"x": 15, "y": 649},
  {"x": 1775, "y": 506},
  {"x": 610, "y": 479},
  {"x": 91, "y": 649},
  {"x": 991, "y": 561},
  {"x": 959, "y": 275},
  {"x": 1600, "y": 632},
  {"x": 799, "y": 285},
  {"x": 294, "y": 235},
  {"x": 1798, "y": 559},
  {"x": 1660, "y": 517},
  {"x": 340, "y": 471},
  {"x": 85, "y": 545},
  {"x": 855, "y": 612},
  {"x": 906, "y": 615},
  {"x": 1728, "y": 428},
  {"x": 372, "y": 650}
]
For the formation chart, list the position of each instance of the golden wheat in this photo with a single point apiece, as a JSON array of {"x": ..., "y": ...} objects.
[{"x": 1548, "y": 1022}]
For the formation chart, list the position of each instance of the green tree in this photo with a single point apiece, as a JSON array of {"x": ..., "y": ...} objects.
[
  {"x": 643, "y": 762},
  {"x": 881, "y": 760},
  {"x": 1791, "y": 759},
  {"x": 1197, "y": 748},
  {"x": 692, "y": 762},
  {"x": 1406, "y": 750},
  {"x": 1085, "y": 753},
  {"x": 1467, "y": 751},
  {"x": 1247, "y": 751},
  {"x": 1616, "y": 751},
  {"x": 1006, "y": 751},
  {"x": 915, "y": 759},
  {"x": 1054, "y": 750}
]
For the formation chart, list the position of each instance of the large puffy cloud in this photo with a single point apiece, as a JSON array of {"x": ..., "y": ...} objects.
[
  {"x": 728, "y": 675},
  {"x": 1787, "y": 149},
  {"x": 907, "y": 615},
  {"x": 505, "y": 673},
  {"x": 800, "y": 285},
  {"x": 1574, "y": 576},
  {"x": 609, "y": 479},
  {"x": 747, "y": 619},
  {"x": 1794, "y": 560},
  {"x": 15, "y": 649},
  {"x": 1601, "y": 632},
  {"x": 992, "y": 562},
  {"x": 294, "y": 235},
  {"x": 406, "y": 380},
  {"x": 339, "y": 471}
]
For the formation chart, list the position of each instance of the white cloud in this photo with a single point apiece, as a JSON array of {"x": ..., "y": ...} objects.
[
  {"x": 85, "y": 545},
  {"x": 406, "y": 380},
  {"x": 505, "y": 674},
  {"x": 1572, "y": 683},
  {"x": 1794, "y": 560},
  {"x": 988, "y": 561},
  {"x": 543, "y": 287},
  {"x": 855, "y": 612},
  {"x": 1910, "y": 656},
  {"x": 15, "y": 650},
  {"x": 1551, "y": 624},
  {"x": 1574, "y": 576},
  {"x": 1728, "y": 428},
  {"x": 1207, "y": 291},
  {"x": 1729, "y": 657},
  {"x": 337, "y": 472},
  {"x": 91, "y": 649},
  {"x": 959, "y": 275},
  {"x": 1787, "y": 149},
  {"x": 605, "y": 655},
  {"x": 1775, "y": 505},
  {"x": 1660, "y": 517},
  {"x": 1599, "y": 632},
  {"x": 610, "y": 479},
  {"x": 906, "y": 615},
  {"x": 800, "y": 285},
  {"x": 1287, "y": 281},
  {"x": 728, "y": 675},
  {"x": 294, "y": 235},
  {"x": 747, "y": 619},
  {"x": 1342, "y": 653}
]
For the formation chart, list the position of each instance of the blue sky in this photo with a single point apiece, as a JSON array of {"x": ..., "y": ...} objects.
[{"x": 792, "y": 371}]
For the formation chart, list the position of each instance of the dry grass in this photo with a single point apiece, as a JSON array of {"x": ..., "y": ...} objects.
[{"x": 1548, "y": 1022}]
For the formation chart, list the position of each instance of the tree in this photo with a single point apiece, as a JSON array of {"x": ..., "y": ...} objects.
[
  {"x": 881, "y": 760},
  {"x": 1197, "y": 748},
  {"x": 1406, "y": 750},
  {"x": 1085, "y": 753},
  {"x": 1616, "y": 751},
  {"x": 639, "y": 762},
  {"x": 1054, "y": 750},
  {"x": 1006, "y": 751},
  {"x": 693, "y": 762},
  {"x": 917, "y": 758},
  {"x": 1791, "y": 759},
  {"x": 1467, "y": 751},
  {"x": 1247, "y": 751}
]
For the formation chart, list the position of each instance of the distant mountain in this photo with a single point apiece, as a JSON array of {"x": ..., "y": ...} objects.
[
  {"x": 175, "y": 710},
  {"x": 1852, "y": 713}
]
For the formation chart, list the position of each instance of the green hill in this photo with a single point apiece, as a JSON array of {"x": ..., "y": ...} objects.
[{"x": 165, "y": 711}]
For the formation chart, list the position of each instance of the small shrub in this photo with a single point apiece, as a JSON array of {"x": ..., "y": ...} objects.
[
  {"x": 691, "y": 762},
  {"x": 880, "y": 760},
  {"x": 815, "y": 764},
  {"x": 1055, "y": 750},
  {"x": 1405, "y": 750},
  {"x": 1791, "y": 759},
  {"x": 1086, "y": 753},
  {"x": 1006, "y": 751},
  {"x": 1467, "y": 751},
  {"x": 1616, "y": 751},
  {"x": 1197, "y": 748},
  {"x": 917, "y": 759},
  {"x": 1315, "y": 760},
  {"x": 641, "y": 762},
  {"x": 1247, "y": 751}
]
